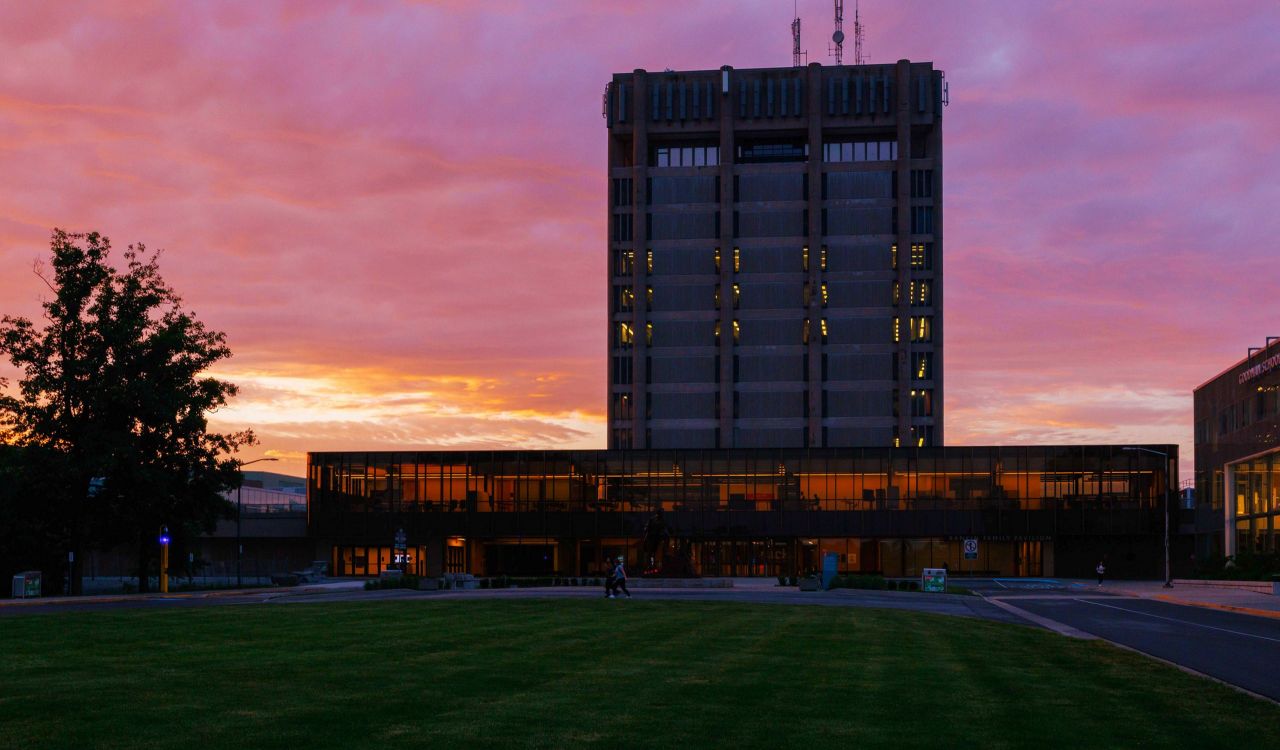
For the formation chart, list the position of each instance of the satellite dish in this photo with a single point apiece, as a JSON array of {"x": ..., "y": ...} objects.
[{"x": 838, "y": 37}]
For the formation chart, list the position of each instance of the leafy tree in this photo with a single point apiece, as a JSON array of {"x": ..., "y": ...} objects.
[{"x": 113, "y": 384}]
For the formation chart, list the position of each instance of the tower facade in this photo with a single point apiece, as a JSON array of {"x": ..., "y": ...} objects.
[{"x": 775, "y": 257}]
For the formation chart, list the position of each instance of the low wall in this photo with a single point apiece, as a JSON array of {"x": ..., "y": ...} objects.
[
  {"x": 1262, "y": 587},
  {"x": 680, "y": 583}
]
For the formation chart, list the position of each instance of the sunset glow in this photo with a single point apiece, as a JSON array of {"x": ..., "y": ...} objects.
[{"x": 396, "y": 210}]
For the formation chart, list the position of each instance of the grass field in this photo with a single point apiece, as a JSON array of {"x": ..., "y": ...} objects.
[{"x": 600, "y": 673}]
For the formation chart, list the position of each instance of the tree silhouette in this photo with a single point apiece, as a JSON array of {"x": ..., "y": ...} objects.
[{"x": 114, "y": 395}]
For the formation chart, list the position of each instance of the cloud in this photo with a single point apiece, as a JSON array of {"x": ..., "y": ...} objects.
[{"x": 397, "y": 210}]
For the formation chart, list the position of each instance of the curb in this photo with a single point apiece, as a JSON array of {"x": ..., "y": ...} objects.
[
  {"x": 1274, "y": 614},
  {"x": 1043, "y": 622},
  {"x": 116, "y": 598},
  {"x": 1269, "y": 613}
]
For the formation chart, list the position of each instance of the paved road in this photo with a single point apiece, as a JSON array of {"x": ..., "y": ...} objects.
[{"x": 1239, "y": 649}]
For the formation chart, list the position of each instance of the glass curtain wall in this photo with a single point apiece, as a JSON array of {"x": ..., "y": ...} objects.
[
  {"x": 1257, "y": 499},
  {"x": 746, "y": 512}
]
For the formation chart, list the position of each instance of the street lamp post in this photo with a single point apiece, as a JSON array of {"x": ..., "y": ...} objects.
[
  {"x": 239, "y": 545},
  {"x": 1168, "y": 578}
]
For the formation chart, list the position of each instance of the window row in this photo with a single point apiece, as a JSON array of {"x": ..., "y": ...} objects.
[
  {"x": 680, "y": 100},
  {"x": 685, "y": 261},
  {"x": 775, "y": 296},
  {"x": 771, "y": 222},
  {"x": 854, "y": 151},
  {"x": 767, "y": 97},
  {"x": 686, "y": 156},
  {"x": 773, "y": 368},
  {"x": 772, "y": 332},
  {"x": 1264, "y": 404}
]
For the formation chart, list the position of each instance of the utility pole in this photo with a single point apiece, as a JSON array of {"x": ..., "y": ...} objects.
[{"x": 239, "y": 545}]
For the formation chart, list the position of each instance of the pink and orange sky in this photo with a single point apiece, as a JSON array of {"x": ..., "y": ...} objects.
[{"x": 396, "y": 210}]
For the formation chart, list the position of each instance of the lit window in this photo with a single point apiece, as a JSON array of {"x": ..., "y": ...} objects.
[
  {"x": 897, "y": 293},
  {"x": 717, "y": 256},
  {"x": 922, "y": 365},
  {"x": 737, "y": 295},
  {"x": 804, "y": 332},
  {"x": 648, "y": 334},
  {"x": 822, "y": 258},
  {"x": 625, "y": 334},
  {"x": 922, "y": 403},
  {"x": 737, "y": 260},
  {"x": 804, "y": 258},
  {"x": 717, "y": 297},
  {"x": 823, "y": 325},
  {"x": 717, "y": 331},
  {"x": 922, "y": 256},
  {"x": 893, "y": 252},
  {"x": 896, "y": 335},
  {"x": 824, "y": 294},
  {"x": 737, "y": 331},
  {"x": 921, "y": 328},
  {"x": 648, "y": 296},
  {"x": 920, "y": 293},
  {"x": 648, "y": 260}
]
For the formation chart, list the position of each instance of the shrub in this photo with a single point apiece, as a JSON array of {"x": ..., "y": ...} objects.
[
  {"x": 1245, "y": 566},
  {"x": 402, "y": 582},
  {"x": 859, "y": 581}
]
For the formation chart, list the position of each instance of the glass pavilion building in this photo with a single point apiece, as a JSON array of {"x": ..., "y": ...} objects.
[{"x": 745, "y": 512}]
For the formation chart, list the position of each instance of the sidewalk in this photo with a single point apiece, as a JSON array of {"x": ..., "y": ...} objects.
[
  {"x": 261, "y": 592},
  {"x": 1212, "y": 597}
]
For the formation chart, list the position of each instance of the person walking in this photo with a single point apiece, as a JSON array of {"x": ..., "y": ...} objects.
[
  {"x": 1102, "y": 571},
  {"x": 620, "y": 579},
  {"x": 609, "y": 582}
]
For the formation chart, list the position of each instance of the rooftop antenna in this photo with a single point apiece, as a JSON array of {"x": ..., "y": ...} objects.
[
  {"x": 858, "y": 29},
  {"x": 838, "y": 38},
  {"x": 796, "y": 54}
]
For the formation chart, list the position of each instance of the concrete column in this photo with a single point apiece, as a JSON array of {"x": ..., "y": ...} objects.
[
  {"x": 939, "y": 333},
  {"x": 727, "y": 111},
  {"x": 639, "y": 272},
  {"x": 813, "y": 110},
  {"x": 902, "y": 122}
]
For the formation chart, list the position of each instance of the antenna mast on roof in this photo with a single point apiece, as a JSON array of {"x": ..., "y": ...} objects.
[
  {"x": 838, "y": 38},
  {"x": 858, "y": 29},
  {"x": 796, "y": 54}
]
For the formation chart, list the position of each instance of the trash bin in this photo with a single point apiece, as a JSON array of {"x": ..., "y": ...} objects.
[{"x": 26, "y": 585}]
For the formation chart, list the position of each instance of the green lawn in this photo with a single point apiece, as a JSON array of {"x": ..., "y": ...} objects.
[{"x": 610, "y": 674}]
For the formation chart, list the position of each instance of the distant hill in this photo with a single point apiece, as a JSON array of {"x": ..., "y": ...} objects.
[{"x": 269, "y": 480}]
